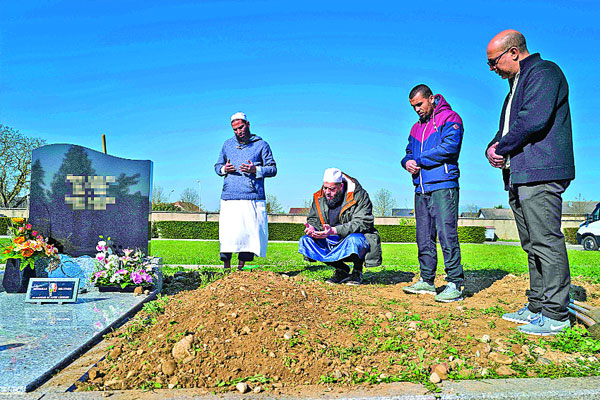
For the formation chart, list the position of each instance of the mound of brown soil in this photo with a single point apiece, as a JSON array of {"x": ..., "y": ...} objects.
[{"x": 276, "y": 331}]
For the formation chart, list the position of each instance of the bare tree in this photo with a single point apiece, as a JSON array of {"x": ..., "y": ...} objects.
[
  {"x": 579, "y": 205},
  {"x": 472, "y": 208},
  {"x": 383, "y": 202},
  {"x": 273, "y": 205},
  {"x": 15, "y": 165},
  {"x": 158, "y": 195},
  {"x": 190, "y": 195}
]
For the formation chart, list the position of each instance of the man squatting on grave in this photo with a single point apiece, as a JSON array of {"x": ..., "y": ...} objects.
[
  {"x": 432, "y": 158},
  {"x": 340, "y": 228},
  {"x": 245, "y": 161},
  {"x": 534, "y": 150}
]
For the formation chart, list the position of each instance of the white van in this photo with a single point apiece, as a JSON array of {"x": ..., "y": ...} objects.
[{"x": 588, "y": 233}]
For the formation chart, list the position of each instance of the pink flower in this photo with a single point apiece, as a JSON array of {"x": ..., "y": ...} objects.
[
  {"x": 28, "y": 227},
  {"x": 100, "y": 257},
  {"x": 21, "y": 229},
  {"x": 34, "y": 233},
  {"x": 127, "y": 252},
  {"x": 99, "y": 274},
  {"x": 136, "y": 277},
  {"x": 146, "y": 277},
  {"x": 122, "y": 271}
]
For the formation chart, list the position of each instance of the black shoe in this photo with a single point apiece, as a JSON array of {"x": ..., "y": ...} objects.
[
  {"x": 355, "y": 278},
  {"x": 338, "y": 277}
]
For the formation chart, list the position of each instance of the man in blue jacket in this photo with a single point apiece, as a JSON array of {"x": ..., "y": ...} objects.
[
  {"x": 245, "y": 161},
  {"x": 534, "y": 149},
  {"x": 432, "y": 159}
]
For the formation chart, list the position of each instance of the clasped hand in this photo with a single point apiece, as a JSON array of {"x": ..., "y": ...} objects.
[
  {"x": 326, "y": 232},
  {"x": 495, "y": 160},
  {"x": 249, "y": 168},
  {"x": 412, "y": 167}
]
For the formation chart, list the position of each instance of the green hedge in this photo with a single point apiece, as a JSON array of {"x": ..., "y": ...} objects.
[
  {"x": 286, "y": 231},
  {"x": 471, "y": 234},
  {"x": 188, "y": 229},
  {"x": 570, "y": 235},
  {"x": 164, "y": 207},
  {"x": 290, "y": 231},
  {"x": 4, "y": 224},
  {"x": 397, "y": 233}
]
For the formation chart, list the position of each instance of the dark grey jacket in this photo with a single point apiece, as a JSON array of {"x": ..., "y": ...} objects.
[
  {"x": 356, "y": 216},
  {"x": 539, "y": 140}
]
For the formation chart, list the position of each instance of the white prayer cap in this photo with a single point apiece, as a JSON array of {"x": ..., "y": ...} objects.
[
  {"x": 239, "y": 115},
  {"x": 332, "y": 175}
]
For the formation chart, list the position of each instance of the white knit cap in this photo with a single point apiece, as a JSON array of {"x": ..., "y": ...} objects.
[
  {"x": 332, "y": 175},
  {"x": 239, "y": 115}
]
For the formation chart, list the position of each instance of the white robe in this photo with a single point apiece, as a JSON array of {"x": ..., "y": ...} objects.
[{"x": 243, "y": 227}]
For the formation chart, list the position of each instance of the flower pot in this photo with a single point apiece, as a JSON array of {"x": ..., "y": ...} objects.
[
  {"x": 118, "y": 288},
  {"x": 15, "y": 280}
]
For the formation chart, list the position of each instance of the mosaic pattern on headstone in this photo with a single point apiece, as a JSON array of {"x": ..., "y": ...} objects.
[{"x": 78, "y": 194}]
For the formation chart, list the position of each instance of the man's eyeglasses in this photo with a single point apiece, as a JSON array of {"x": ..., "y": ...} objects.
[{"x": 494, "y": 62}]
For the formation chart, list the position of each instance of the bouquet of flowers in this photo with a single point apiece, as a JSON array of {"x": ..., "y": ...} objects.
[
  {"x": 132, "y": 268},
  {"x": 27, "y": 245}
]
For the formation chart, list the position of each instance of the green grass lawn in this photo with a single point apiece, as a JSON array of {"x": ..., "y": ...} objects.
[{"x": 285, "y": 257}]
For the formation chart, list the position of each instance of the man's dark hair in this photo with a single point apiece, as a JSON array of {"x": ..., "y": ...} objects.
[
  {"x": 423, "y": 89},
  {"x": 514, "y": 39}
]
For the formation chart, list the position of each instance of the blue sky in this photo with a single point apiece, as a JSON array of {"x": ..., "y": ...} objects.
[{"x": 325, "y": 83}]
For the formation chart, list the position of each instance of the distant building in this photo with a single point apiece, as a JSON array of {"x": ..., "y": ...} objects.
[
  {"x": 578, "y": 207},
  {"x": 496, "y": 213},
  {"x": 469, "y": 214},
  {"x": 186, "y": 206},
  {"x": 403, "y": 212},
  {"x": 299, "y": 211}
]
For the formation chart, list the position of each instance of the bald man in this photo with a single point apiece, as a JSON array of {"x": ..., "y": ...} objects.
[{"x": 534, "y": 149}]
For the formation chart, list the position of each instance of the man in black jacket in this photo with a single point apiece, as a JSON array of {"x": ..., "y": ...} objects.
[{"x": 534, "y": 149}]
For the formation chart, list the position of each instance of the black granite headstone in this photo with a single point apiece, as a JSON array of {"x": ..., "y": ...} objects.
[{"x": 78, "y": 194}]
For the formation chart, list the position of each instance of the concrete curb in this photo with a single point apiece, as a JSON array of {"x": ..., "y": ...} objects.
[{"x": 487, "y": 389}]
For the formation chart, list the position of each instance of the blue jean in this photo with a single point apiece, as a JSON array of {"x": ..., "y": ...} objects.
[{"x": 436, "y": 214}]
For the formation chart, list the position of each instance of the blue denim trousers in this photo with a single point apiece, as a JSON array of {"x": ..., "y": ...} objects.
[{"x": 436, "y": 214}]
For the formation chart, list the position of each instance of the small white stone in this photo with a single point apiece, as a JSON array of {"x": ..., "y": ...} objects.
[
  {"x": 242, "y": 387},
  {"x": 257, "y": 389},
  {"x": 288, "y": 335},
  {"x": 434, "y": 378},
  {"x": 486, "y": 339}
]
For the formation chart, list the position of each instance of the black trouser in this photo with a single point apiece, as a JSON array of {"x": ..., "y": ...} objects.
[
  {"x": 341, "y": 264},
  {"x": 436, "y": 214},
  {"x": 538, "y": 210},
  {"x": 242, "y": 256}
]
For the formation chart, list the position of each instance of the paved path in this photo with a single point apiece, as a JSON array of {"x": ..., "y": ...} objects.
[{"x": 498, "y": 389}]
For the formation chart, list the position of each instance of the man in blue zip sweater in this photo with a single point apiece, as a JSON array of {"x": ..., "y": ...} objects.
[
  {"x": 432, "y": 159},
  {"x": 245, "y": 161},
  {"x": 534, "y": 149}
]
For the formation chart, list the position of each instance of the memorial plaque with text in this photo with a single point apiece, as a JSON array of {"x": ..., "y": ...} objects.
[{"x": 78, "y": 193}]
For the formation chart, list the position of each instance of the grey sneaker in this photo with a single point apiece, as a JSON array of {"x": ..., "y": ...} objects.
[
  {"x": 419, "y": 288},
  {"x": 544, "y": 326},
  {"x": 523, "y": 316},
  {"x": 450, "y": 293}
]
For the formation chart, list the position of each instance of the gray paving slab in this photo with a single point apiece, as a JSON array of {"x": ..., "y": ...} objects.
[
  {"x": 487, "y": 389},
  {"x": 534, "y": 389},
  {"x": 37, "y": 339}
]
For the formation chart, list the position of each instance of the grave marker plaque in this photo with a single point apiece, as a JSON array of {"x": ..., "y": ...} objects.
[{"x": 78, "y": 194}]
